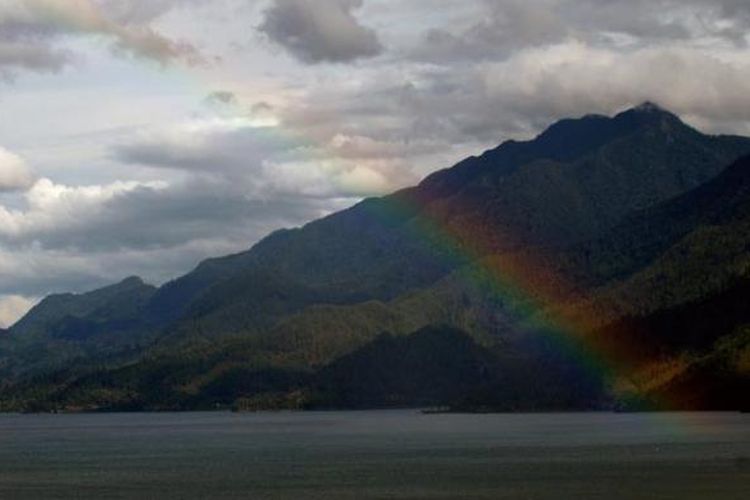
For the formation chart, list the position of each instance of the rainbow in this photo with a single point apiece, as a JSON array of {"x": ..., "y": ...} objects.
[
  {"x": 543, "y": 301},
  {"x": 540, "y": 296}
]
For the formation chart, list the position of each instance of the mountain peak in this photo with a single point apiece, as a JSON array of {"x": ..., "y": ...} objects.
[
  {"x": 650, "y": 107},
  {"x": 571, "y": 137},
  {"x": 126, "y": 285},
  {"x": 649, "y": 114},
  {"x": 649, "y": 111},
  {"x": 563, "y": 141},
  {"x": 132, "y": 280}
]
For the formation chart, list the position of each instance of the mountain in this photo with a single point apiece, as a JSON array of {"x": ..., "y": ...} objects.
[
  {"x": 638, "y": 212},
  {"x": 677, "y": 251},
  {"x": 122, "y": 299},
  {"x": 676, "y": 287},
  {"x": 441, "y": 366},
  {"x": 646, "y": 234},
  {"x": 67, "y": 327},
  {"x": 535, "y": 193}
]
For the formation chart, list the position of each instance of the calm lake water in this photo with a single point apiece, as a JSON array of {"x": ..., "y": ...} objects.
[{"x": 378, "y": 454}]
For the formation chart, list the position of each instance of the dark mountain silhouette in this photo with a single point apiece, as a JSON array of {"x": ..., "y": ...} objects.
[
  {"x": 444, "y": 367},
  {"x": 639, "y": 209},
  {"x": 67, "y": 327},
  {"x": 647, "y": 234},
  {"x": 533, "y": 193}
]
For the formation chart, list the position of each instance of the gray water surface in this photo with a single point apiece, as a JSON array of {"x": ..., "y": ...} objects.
[{"x": 377, "y": 454}]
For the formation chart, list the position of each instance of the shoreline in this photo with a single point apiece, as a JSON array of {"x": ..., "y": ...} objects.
[{"x": 419, "y": 411}]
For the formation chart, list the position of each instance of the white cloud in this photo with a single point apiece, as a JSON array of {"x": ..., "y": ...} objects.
[
  {"x": 271, "y": 161},
  {"x": 55, "y": 208},
  {"x": 13, "y": 307},
  {"x": 14, "y": 173},
  {"x": 75, "y": 238},
  {"x": 572, "y": 79}
]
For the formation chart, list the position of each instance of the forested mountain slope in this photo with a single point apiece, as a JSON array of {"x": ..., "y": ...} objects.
[{"x": 639, "y": 213}]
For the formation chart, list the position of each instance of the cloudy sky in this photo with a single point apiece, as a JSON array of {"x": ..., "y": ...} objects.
[{"x": 140, "y": 136}]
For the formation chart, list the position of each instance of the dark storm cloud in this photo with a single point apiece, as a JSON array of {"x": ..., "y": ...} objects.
[
  {"x": 75, "y": 239},
  {"x": 224, "y": 150},
  {"x": 511, "y": 25},
  {"x": 320, "y": 31},
  {"x": 147, "y": 218}
]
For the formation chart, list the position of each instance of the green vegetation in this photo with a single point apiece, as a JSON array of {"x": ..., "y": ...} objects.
[{"x": 640, "y": 219}]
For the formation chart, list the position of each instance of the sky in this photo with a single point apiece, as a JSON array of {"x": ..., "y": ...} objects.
[{"x": 139, "y": 137}]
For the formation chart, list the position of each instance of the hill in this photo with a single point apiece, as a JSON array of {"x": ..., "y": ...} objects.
[
  {"x": 546, "y": 192},
  {"x": 629, "y": 216}
]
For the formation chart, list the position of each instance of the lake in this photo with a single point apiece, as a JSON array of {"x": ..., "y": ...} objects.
[{"x": 376, "y": 454}]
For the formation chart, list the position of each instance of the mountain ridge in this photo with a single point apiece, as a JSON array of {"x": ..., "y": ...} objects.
[
  {"x": 307, "y": 296},
  {"x": 631, "y": 119}
]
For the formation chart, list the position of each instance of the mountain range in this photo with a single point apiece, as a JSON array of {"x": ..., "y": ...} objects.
[{"x": 603, "y": 264}]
